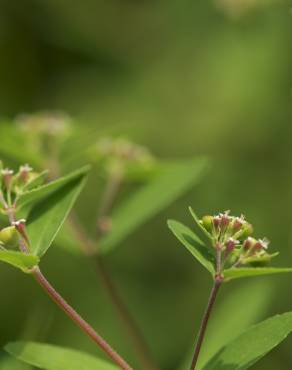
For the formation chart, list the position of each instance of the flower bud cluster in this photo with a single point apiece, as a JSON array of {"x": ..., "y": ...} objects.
[
  {"x": 13, "y": 184},
  {"x": 232, "y": 235},
  {"x": 54, "y": 124},
  {"x": 124, "y": 156}
]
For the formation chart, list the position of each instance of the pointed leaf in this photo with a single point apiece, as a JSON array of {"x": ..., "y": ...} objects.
[
  {"x": 205, "y": 235},
  {"x": 35, "y": 195},
  {"x": 19, "y": 260},
  {"x": 241, "y": 272},
  {"x": 252, "y": 345},
  {"x": 49, "y": 357},
  {"x": 37, "y": 181},
  {"x": 193, "y": 244},
  {"x": 171, "y": 182},
  {"x": 52, "y": 204}
]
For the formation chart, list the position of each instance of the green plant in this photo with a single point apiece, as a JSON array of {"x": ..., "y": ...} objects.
[
  {"x": 36, "y": 213},
  {"x": 227, "y": 250}
]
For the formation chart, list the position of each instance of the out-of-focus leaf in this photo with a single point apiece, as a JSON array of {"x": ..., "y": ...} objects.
[
  {"x": 36, "y": 181},
  {"x": 53, "y": 203},
  {"x": 8, "y": 362},
  {"x": 50, "y": 357},
  {"x": 193, "y": 245},
  {"x": 20, "y": 260},
  {"x": 252, "y": 345},
  {"x": 13, "y": 145},
  {"x": 241, "y": 272},
  {"x": 240, "y": 316},
  {"x": 174, "y": 179}
]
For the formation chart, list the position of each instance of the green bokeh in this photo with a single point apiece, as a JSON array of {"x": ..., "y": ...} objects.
[{"x": 184, "y": 78}]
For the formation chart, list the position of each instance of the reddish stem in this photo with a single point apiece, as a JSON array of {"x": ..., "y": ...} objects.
[{"x": 74, "y": 316}]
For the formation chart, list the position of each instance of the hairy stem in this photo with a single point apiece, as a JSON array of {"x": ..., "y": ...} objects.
[
  {"x": 133, "y": 331},
  {"x": 75, "y": 317}
]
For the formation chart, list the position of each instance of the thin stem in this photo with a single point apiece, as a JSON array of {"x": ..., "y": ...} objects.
[
  {"x": 204, "y": 323},
  {"x": 75, "y": 317},
  {"x": 111, "y": 190},
  {"x": 133, "y": 331},
  {"x": 212, "y": 299}
]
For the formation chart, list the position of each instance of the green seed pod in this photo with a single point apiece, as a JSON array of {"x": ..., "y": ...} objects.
[
  {"x": 9, "y": 236},
  {"x": 207, "y": 222}
]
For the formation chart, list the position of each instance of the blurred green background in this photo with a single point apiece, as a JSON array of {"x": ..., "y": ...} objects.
[{"x": 184, "y": 78}]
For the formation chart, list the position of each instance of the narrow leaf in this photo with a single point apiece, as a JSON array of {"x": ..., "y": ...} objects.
[
  {"x": 51, "y": 209},
  {"x": 35, "y": 195},
  {"x": 193, "y": 245},
  {"x": 49, "y": 357},
  {"x": 174, "y": 179},
  {"x": 37, "y": 181},
  {"x": 8, "y": 362},
  {"x": 205, "y": 235},
  {"x": 241, "y": 272},
  {"x": 19, "y": 260},
  {"x": 252, "y": 345}
]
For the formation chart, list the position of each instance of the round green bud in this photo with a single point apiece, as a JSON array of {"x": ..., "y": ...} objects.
[
  {"x": 207, "y": 222},
  {"x": 9, "y": 236},
  {"x": 247, "y": 230}
]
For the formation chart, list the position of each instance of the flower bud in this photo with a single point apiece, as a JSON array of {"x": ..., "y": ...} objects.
[
  {"x": 249, "y": 243},
  {"x": 207, "y": 222},
  {"x": 238, "y": 223},
  {"x": 216, "y": 221},
  {"x": 9, "y": 236},
  {"x": 247, "y": 230},
  {"x": 24, "y": 173},
  {"x": 225, "y": 219},
  {"x": 7, "y": 177},
  {"x": 231, "y": 244},
  {"x": 262, "y": 244}
]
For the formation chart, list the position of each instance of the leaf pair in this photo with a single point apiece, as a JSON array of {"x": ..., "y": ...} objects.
[
  {"x": 204, "y": 253},
  {"x": 46, "y": 208}
]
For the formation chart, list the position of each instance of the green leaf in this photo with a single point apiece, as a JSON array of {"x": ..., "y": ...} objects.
[
  {"x": 207, "y": 238},
  {"x": 252, "y": 345},
  {"x": 37, "y": 181},
  {"x": 19, "y": 260},
  {"x": 193, "y": 245},
  {"x": 170, "y": 183},
  {"x": 241, "y": 272},
  {"x": 15, "y": 146},
  {"x": 51, "y": 357},
  {"x": 8, "y": 362},
  {"x": 52, "y": 204},
  {"x": 35, "y": 195}
]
